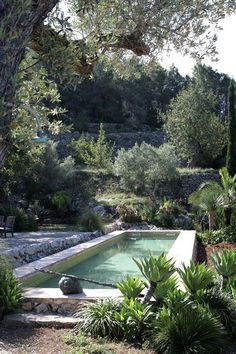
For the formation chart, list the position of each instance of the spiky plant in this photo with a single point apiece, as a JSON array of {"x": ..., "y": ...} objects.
[
  {"x": 196, "y": 277},
  {"x": 188, "y": 331},
  {"x": 98, "y": 319},
  {"x": 131, "y": 287},
  {"x": 225, "y": 264},
  {"x": 155, "y": 270},
  {"x": 222, "y": 305},
  {"x": 164, "y": 288}
]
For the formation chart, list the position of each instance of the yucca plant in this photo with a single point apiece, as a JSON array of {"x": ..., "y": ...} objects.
[
  {"x": 225, "y": 265},
  {"x": 155, "y": 270},
  {"x": 98, "y": 319},
  {"x": 222, "y": 305},
  {"x": 131, "y": 287},
  {"x": 135, "y": 318},
  {"x": 188, "y": 331},
  {"x": 196, "y": 277}
]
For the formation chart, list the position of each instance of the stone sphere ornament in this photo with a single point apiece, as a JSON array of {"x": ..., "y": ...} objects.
[{"x": 70, "y": 285}]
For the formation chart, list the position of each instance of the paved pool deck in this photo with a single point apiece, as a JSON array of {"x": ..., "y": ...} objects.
[{"x": 31, "y": 238}]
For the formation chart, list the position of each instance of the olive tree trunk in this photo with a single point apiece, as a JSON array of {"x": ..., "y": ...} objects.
[{"x": 18, "y": 19}]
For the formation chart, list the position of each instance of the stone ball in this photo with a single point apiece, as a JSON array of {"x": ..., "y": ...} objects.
[{"x": 70, "y": 286}]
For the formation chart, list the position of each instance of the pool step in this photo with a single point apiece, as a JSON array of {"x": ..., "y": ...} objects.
[{"x": 40, "y": 320}]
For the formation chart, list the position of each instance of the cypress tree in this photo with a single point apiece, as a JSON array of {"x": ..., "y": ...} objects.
[{"x": 231, "y": 148}]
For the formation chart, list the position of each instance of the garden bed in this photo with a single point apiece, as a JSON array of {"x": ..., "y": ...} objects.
[{"x": 204, "y": 252}]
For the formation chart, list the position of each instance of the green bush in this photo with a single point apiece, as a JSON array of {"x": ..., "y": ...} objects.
[
  {"x": 142, "y": 169},
  {"x": 61, "y": 200},
  {"x": 196, "y": 277},
  {"x": 222, "y": 305},
  {"x": 91, "y": 152},
  {"x": 25, "y": 221},
  {"x": 189, "y": 330},
  {"x": 91, "y": 221},
  {"x": 134, "y": 319},
  {"x": 99, "y": 319},
  {"x": 131, "y": 287},
  {"x": 225, "y": 265},
  {"x": 10, "y": 291},
  {"x": 225, "y": 234}
]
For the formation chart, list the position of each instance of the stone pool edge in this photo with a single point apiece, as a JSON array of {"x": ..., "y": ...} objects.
[{"x": 52, "y": 299}]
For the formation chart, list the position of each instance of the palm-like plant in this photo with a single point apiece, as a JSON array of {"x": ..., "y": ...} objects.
[
  {"x": 206, "y": 198},
  {"x": 225, "y": 265},
  {"x": 155, "y": 270},
  {"x": 227, "y": 197},
  {"x": 212, "y": 195},
  {"x": 196, "y": 277}
]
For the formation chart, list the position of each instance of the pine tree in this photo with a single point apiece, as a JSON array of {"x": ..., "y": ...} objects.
[{"x": 231, "y": 148}]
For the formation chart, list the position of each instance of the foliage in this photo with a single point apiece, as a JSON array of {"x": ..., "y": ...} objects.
[
  {"x": 222, "y": 305},
  {"x": 225, "y": 264},
  {"x": 128, "y": 214},
  {"x": 189, "y": 330},
  {"x": 10, "y": 291},
  {"x": 224, "y": 234},
  {"x": 143, "y": 168},
  {"x": 25, "y": 221},
  {"x": 231, "y": 145},
  {"x": 61, "y": 200},
  {"x": 169, "y": 211},
  {"x": 190, "y": 124},
  {"x": 196, "y": 277},
  {"x": 155, "y": 270},
  {"x": 98, "y": 319},
  {"x": 96, "y": 153},
  {"x": 165, "y": 288},
  {"x": 131, "y": 287},
  {"x": 91, "y": 221},
  {"x": 134, "y": 318}
]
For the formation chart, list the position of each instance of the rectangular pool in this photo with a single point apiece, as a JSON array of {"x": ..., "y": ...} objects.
[{"x": 114, "y": 261}]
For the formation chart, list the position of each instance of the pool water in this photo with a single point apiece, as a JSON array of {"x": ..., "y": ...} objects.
[{"x": 114, "y": 263}]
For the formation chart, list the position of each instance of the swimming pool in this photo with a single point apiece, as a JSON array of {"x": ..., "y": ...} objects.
[{"x": 113, "y": 261}]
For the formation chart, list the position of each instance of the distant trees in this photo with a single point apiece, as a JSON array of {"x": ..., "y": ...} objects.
[
  {"x": 193, "y": 128},
  {"x": 231, "y": 142}
]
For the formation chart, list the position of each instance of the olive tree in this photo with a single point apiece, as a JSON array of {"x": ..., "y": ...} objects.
[
  {"x": 193, "y": 128},
  {"x": 139, "y": 26}
]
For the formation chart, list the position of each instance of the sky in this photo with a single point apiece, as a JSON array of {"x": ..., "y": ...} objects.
[{"x": 226, "y": 47}]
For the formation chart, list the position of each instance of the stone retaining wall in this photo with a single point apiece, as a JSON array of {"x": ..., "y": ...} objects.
[{"x": 28, "y": 253}]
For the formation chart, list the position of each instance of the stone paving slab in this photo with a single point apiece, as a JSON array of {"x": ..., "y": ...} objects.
[{"x": 34, "y": 320}]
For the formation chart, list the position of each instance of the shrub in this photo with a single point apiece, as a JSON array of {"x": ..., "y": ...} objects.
[
  {"x": 10, "y": 291},
  {"x": 134, "y": 318},
  {"x": 196, "y": 277},
  {"x": 61, "y": 200},
  {"x": 131, "y": 287},
  {"x": 190, "y": 330},
  {"x": 222, "y": 305},
  {"x": 25, "y": 221},
  {"x": 225, "y": 265},
  {"x": 128, "y": 214},
  {"x": 91, "y": 221},
  {"x": 143, "y": 168},
  {"x": 95, "y": 153},
  {"x": 99, "y": 319},
  {"x": 225, "y": 234}
]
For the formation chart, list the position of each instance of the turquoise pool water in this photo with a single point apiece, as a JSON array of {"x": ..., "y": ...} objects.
[{"x": 112, "y": 264}]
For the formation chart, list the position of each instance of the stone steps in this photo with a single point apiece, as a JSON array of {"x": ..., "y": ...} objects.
[{"x": 39, "y": 320}]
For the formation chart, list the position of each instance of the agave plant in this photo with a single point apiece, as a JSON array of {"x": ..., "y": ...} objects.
[
  {"x": 155, "y": 270},
  {"x": 164, "y": 288},
  {"x": 196, "y": 277},
  {"x": 131, "y": 287},
  {"x": 225, "y": 265}
]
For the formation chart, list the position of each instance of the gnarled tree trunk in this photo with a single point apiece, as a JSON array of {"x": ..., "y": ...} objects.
[{"x": 17, "y": 22}]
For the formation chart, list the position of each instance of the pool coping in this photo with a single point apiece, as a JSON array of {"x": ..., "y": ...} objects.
[{"x": 182, "y": 252}]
